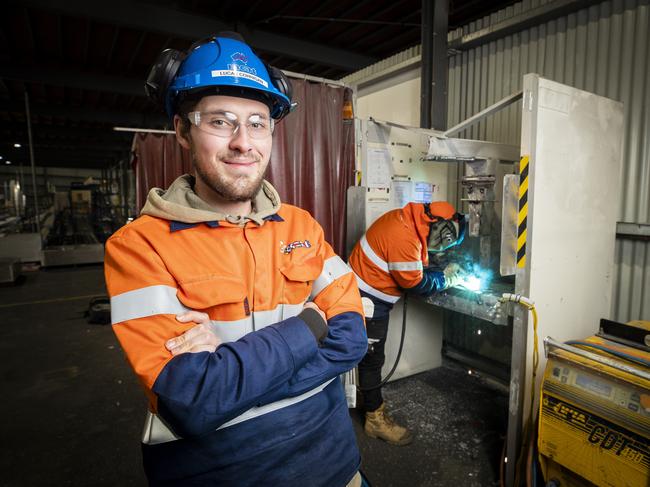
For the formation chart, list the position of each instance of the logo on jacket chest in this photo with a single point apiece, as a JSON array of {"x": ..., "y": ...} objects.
[{"x": 289, "y": 247}]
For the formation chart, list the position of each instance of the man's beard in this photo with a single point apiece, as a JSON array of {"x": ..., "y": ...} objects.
[{"x": 236, "y": 189}]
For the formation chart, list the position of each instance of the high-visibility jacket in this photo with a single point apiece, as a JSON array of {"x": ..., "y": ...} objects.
[
  {"x": 392, "y": 254},
  {"x": 267, "y": 407}
]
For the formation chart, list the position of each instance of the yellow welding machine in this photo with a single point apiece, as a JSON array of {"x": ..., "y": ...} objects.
[{"x": 594, "y": 414}]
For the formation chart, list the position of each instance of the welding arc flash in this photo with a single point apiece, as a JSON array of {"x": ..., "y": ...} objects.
[{"x": 471, "y": 283}]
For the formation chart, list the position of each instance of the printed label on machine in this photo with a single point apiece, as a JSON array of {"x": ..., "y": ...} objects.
[{"x": 610, "y": 438}]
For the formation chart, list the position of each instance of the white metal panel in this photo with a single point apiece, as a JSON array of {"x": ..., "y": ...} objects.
[
  {"x": 407, "y": 149},
  {"x": 393, "y": 102},
  {"x": 574, "y": 143},
  {"x": 422, "y": 343}
]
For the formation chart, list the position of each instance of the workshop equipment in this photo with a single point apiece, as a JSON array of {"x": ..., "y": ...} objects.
[
  {"x": 524, "y": 203},
  {"x": 594, "y": 415}
]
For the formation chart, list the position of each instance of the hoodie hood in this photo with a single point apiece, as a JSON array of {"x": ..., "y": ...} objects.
[{"x": 180, "y": 203}]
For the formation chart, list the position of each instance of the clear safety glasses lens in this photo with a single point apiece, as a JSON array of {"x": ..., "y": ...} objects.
[{"x": 226, "y": 124}]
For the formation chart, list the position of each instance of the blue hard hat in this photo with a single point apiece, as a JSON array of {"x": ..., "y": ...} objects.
[{"x": 230, "y": 64}]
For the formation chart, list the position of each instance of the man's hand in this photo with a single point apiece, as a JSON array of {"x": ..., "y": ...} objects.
[
  {"x": 197, "y": 339},
  {"x": 453, "y": 275},
  {"x": 315, "y": 320},
  {"x": 314, "y": 306}
]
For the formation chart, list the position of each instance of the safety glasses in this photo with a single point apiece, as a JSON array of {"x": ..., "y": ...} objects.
[{"x": 226, "y": 124}]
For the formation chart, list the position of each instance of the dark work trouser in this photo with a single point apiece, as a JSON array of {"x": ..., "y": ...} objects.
[{"x": 370, "y": 366}]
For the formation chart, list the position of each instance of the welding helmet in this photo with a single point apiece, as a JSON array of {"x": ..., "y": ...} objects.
[
  {"x": 445, "y": 233},
  {"x": 219, "y": 65}
]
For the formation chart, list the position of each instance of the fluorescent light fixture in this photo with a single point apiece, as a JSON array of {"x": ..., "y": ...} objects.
[
  {"x": 17, "y": 145},
  {"x": 7, "y": 162}
]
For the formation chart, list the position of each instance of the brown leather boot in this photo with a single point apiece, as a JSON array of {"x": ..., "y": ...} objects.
[{"x": 380, "y": 425}]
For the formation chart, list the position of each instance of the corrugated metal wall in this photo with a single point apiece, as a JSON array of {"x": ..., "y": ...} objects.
[
  {"x": 383, "y": 65},
  {"x": 604, "y": 49}
]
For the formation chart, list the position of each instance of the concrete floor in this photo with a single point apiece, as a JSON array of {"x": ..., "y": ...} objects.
[
  {"x": 459, "y": 424},
  {"x": 72, "y": 411}
]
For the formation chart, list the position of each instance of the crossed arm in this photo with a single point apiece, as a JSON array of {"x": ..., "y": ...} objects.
[
  {"x": 200, "y": 338},
  {"x": 197, "y": 383}
]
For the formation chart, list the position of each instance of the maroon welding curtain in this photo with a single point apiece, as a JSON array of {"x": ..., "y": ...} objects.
[
  {"x": 157, "y": 160},
  {"x": 312, "y": 163},
  {"x": 313, "y": 157}
]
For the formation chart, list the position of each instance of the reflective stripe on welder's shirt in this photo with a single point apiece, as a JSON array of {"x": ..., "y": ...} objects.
[{"x": 415, "y": 265}]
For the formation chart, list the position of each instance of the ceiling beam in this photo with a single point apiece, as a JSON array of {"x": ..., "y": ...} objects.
[
  {"x": 68, "y": 155},
  {"x": 45, "y": 132},
  {"x": 383, "y": 32},
  {"x": 47, "y": 150},
  {"x": 341, "y": 15},
  {"x": 79, "y": 149},
  {"x": 53, "y": 162},
  {"x": 123, "y": 118},
  {"x": 73, "y": 79},
  {"x": 151, "y": 17}
]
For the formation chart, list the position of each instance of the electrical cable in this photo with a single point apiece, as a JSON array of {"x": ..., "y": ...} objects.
[
  {"x": 531, "y": 463},
  {"x": 399, "y": 352},
  {"x": 502, "y": 474}
]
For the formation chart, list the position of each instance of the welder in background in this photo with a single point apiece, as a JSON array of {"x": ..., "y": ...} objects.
[{"x": 390, "y": 259}]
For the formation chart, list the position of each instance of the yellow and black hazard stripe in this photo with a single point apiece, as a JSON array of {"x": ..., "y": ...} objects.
[{"x": 522, "y": 219}]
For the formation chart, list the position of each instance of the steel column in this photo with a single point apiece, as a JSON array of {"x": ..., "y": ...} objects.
[{"x": 433, "y": 94}]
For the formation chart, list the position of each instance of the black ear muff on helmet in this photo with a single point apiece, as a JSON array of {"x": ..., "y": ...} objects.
[
  {"x": 283, "y": 84},
  {"x": 162, "y": 74},
  {"x": 166, "y": 67},
  {"x": 280, "y": 81}
]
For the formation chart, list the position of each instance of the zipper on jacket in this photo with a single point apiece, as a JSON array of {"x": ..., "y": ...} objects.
[{"x": 247, "y": 308}]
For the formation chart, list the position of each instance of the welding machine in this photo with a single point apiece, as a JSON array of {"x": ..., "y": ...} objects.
[{"x": 594, "y": 415}]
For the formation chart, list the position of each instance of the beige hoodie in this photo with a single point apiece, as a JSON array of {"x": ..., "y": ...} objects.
[{"x": 180, "y": 203}]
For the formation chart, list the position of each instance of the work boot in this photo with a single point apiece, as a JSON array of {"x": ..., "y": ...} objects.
[{"x": 380, "y": 425}]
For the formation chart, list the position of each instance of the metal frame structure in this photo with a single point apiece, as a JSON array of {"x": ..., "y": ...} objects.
[{"x": 557, "y": 202}]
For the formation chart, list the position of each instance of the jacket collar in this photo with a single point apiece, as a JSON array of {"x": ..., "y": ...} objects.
[{"x": 175, "y": 226}]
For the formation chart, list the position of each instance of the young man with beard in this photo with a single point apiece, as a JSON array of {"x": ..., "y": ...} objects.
[{"x": 233, "y": 311}]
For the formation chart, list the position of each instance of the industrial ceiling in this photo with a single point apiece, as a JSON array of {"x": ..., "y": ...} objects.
[{"x": 82, "y": 64}]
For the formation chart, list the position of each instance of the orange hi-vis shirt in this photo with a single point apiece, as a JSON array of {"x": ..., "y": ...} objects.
[
  {"x": 236, "y": 411},
  {"x": 392, "y": 254}
]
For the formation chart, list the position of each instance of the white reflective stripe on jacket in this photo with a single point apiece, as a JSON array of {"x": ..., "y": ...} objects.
[{"x": 415, "y": 265}]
